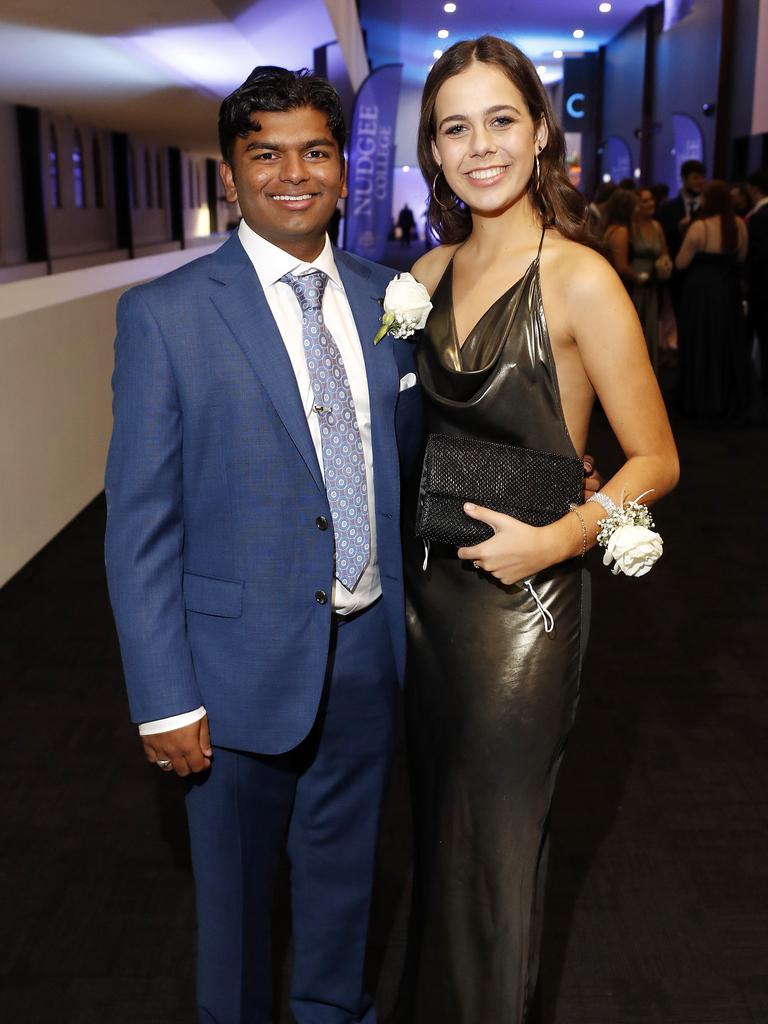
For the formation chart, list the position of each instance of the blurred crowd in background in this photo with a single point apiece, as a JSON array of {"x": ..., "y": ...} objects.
[{"x": 696, "y": 268}]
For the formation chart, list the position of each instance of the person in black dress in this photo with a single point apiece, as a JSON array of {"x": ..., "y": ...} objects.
[
  {"x": 714, "y": 355},
  {"x": 528, "y": 325}
]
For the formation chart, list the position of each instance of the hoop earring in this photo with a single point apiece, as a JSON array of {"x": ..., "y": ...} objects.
[{"x": 434, "y": 194}]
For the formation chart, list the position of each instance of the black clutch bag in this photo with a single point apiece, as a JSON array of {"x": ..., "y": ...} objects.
[{"x": 536, "y": 487}]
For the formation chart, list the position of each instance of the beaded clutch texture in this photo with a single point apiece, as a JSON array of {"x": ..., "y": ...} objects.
[{"x": 533, "y": 486}]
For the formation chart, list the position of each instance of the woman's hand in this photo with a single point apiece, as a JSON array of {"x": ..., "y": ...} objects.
[
  {"x": 593, "y": 479},
  {"x": 516, "y": 552}
]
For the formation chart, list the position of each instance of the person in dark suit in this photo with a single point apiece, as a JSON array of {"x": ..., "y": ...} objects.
[
  {"x": 676, "y": 214},
  {"x": 406, "y": 222},
  {"x": 253, "y": 554},
  {"x": 757, "y": 270},
  {"x": 675, "y": 217}
]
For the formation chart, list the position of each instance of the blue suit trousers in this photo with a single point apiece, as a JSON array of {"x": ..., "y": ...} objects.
[{"x": 323, "y": 799}]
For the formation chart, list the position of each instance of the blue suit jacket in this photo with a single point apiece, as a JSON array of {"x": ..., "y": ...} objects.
[{"x": 213, "y": 553}]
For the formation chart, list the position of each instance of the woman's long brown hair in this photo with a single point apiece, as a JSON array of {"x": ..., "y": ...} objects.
[
  {"x": 558, "y": 204},
  {"x": 716, "y": 201}
]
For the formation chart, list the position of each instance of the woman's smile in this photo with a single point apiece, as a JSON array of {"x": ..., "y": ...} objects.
[{"x": 483, "y": 177}]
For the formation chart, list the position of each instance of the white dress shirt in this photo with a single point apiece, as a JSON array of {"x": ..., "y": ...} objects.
[{"x": 271, "y": 264}]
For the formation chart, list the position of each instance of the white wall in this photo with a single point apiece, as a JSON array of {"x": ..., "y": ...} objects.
[
  {"x": 197, "y": 219},
  {"x": 56, "y": 337},
  {"x": 407, "y": 128}
]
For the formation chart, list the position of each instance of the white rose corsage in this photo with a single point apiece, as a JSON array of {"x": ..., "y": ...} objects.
[
  {"x": 627, "y": 534},
  {"x": 406, "y": 308}
]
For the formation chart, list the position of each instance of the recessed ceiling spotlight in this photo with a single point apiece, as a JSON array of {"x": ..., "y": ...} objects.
[
  {"x": 606, "y": 178},
  {"x": 605, "y": 8},
  {"x": 437, "y": 54},
  {"x": 542, "y": 69},
  {"x": 557, "y": 54},
  {"x": 578, "y": 33},
  {"x": 638, "y": 172},
  {"x": 443, "y": 33},
  {"x": 449, "y": 8},
  {"x": 406, "y": 168}
]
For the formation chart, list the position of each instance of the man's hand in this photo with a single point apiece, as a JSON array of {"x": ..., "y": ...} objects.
[
  {"x": 188, "y": 749},
  {"x": 592, "y": 479}
]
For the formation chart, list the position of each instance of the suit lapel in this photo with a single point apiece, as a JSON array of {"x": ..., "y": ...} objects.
[
  {"x": 380, "y": 365},
  {"x": 244, "y": 308}
]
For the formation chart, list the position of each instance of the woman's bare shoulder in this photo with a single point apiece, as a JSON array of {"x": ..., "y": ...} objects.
[
  {"x": 430, "y": 267},
  {"x": 574, "y": 266}
]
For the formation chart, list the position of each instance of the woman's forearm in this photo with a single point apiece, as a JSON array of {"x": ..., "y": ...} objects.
[{"x": 656, "y": 474}]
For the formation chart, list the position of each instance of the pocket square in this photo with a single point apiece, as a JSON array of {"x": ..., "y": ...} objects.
[{"x": 408, "y": 381}]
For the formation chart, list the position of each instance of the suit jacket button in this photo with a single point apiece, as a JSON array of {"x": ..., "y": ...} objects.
[
  {"x": 321, "y": 523},
  {"x": 321, "y": 597}
]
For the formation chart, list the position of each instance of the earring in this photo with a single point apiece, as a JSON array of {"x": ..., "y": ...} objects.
[
  {"x": 434, "y": 194},
  {"x": 537, "y": 167}
]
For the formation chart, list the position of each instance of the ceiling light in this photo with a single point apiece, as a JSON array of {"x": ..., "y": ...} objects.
[
  {"x": 437, "y": 54},
  {"x": 604, "y": 8},
  {"x": 443, "y": 33},
  {"x": 578, "y": 33},
  {"x": 638, "y": 172},
  {"x": 542, "y": 69},
  {"x": 557, "y": 54},
  {"x": 406, "y": 168},
  {"x": 449, "y": 8},
  {"x": 606, "y": 178}
]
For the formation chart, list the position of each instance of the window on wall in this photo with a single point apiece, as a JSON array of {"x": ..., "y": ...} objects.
[
  {"x": 132, "y": 182},
  {"x": 160, "y": 181},
  {"x": 78, "y": 171},
  {"x": 149, "y": 184},
  {"x": 98, "y": 175},
  {"x": 54, "y": 170}
]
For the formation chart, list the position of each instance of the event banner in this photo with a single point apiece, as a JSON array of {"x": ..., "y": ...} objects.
[{"x": 368, "y": 214}]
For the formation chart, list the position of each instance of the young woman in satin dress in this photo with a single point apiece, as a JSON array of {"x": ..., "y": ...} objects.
[{"x": 529, "y": 324}]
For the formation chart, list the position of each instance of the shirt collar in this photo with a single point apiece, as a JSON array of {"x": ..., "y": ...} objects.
[{"x": 271, "y": 263}]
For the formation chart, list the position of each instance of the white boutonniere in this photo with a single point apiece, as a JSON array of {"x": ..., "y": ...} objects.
[
  {"x": 406, "y": 308},
  {"x": 627, "y": 534}
]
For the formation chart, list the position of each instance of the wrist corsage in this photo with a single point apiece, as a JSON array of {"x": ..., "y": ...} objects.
[
  {"x": 406, "y": 308},
  {"x": 627, "y": 534}
]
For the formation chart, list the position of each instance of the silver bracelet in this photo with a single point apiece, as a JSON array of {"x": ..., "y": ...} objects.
[
  {"x": 602, "y": 499},
  {"x": 575, "y": 509}
]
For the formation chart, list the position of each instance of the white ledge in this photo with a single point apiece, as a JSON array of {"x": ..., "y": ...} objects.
[{"x": 20, "y": 297}]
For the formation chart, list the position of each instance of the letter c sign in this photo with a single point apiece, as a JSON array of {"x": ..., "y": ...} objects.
[{"x": 575, "y": 104}]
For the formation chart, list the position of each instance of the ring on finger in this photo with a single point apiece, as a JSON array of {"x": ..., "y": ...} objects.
[
  {"x": 477, "y": 564},
  {"x": 164, "y": 765}
]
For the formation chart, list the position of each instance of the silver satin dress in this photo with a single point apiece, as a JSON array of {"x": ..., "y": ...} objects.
[{"x": 490, "y": 696}]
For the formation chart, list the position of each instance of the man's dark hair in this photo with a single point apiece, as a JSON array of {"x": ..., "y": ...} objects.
[
  {"x": 276, "y": 90},
  {"x": 759, "y": 179},
  {"x": 692, "y": 167}
]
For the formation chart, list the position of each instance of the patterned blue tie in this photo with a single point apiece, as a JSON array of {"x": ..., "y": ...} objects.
[{"x": 343, "y": 457}]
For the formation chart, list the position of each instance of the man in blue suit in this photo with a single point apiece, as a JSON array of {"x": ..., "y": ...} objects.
[{"x": 253, "y": 555}]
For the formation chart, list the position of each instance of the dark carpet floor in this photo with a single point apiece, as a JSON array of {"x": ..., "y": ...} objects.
[{"x": 658, "y": 896}]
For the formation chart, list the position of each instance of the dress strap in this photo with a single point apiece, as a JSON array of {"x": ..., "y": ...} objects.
[{"x": 541, "y": 242}]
